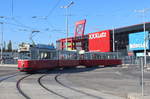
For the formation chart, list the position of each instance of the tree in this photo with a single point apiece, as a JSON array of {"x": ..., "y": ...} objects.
[
  {"x": 4, "y": 46},
  {"x": 9, "y": 46},
  {"x": 52, "y": 44}
]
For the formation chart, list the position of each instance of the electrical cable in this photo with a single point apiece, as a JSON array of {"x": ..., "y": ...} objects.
[
  {"x": 51, "y": 10},
  {"x": 13, "y": 18}
]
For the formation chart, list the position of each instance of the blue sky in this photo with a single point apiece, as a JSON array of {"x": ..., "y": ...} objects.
[{"x": 19, "y": 22}]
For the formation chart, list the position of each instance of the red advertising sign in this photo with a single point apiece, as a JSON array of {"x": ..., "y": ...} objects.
[
  {"x": 100, "y": 41},
  {"x": 80, "y": 27}
]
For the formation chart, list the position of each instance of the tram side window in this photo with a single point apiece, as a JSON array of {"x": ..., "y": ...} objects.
[
  {"x": 84, "y": 56},
  {"x": 97, "y": 56},
  {"x": 66, "y": 56},
  {"x": 111, "y": 56},
  {"x": 69, "y": 56},
  {"x": 63, "y": 56},
  {"x": 87, "y": 56},
  {"x": 93, "y": 56},
  {"x": 72, "y": 56},
  {"x": 54, "y": 55},
  {"x": 46, "y": 55},
  {"x": 108, "y": 57},
  {"x": 100, "y": 57},
  {"x": 34, "y": 55},
  {"x": 51, "y": 55},
  {"x": 43, "y": 55},
  {"x": 114, "y": 56},
  {"x": 104, "y": 57}
]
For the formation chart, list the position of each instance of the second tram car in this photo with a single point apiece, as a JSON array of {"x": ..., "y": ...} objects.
[
  {"x": 38, "y": 57},
  {"x": 100, "y": 58}
]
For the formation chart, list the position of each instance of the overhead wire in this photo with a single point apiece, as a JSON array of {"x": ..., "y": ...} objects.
[
  {"x": 52, "y": 10},
  {"x": 15, "y": 24},
  {"x": 50, "y": 13},
  {"x": 20, "y": 24},
  {"x": 14, "y": 19}
]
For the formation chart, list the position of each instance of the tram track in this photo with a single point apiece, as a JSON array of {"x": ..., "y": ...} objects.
[
  {"x": 60, "y": 88},
  {"x": 49, "y": 90},
  {"x": 74, "y": 89},
  {"x": 19, "y": 88},
  {"x": 56, "y": 78},
  {"x": 7, "y": 76}
]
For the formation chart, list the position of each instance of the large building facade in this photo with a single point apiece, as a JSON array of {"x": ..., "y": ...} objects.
[{"x": 118, "y": 39}]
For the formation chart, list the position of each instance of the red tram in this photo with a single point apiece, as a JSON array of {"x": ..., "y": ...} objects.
[{"x": 37, "y": 57}]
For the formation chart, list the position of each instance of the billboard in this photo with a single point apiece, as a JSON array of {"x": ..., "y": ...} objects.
[
  {"x": 100, "y": 41},
  {"x": 80, "y": 27},
  {"x": 136, "y": 41}
]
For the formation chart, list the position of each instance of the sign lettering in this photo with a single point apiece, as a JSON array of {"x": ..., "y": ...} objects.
[{"x": 97, "y": 35}]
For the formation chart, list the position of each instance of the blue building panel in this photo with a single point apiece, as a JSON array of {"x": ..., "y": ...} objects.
[{"x": 136, "y": 41}]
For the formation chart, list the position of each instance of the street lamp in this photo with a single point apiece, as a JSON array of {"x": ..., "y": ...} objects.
[{"x": 66, "y": 7}]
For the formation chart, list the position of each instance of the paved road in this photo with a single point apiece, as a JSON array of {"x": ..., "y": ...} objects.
[
  {"x": 81, "y": 83},
  {"x": 5, "y": 70},
  {"x": 116, "y": 81}
]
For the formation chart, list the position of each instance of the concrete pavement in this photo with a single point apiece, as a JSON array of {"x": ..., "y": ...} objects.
[
  {"x": 137, "y": 96},
  {"x": 9, "y": 65}
]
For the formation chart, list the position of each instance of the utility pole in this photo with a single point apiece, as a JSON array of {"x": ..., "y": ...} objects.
[
  {"x": 142, "y": 77},
  {"x": 66, "y": 7},
  {"x": 2, "y": 41},
  {"x": 12, "y": 8},
  {"x": 143, "y": 11},
  {"x": 113, "y": 39}
]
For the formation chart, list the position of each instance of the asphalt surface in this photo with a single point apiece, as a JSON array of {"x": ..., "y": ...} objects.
[{"x": 74, "y": 83}]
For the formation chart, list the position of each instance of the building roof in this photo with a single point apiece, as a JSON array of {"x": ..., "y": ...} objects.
[{"x": 133, "y": 28}]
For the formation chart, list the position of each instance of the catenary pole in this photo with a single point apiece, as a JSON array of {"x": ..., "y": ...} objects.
[{"x": 66, "y": 7}]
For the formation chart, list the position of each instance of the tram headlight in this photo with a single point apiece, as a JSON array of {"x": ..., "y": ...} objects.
[{"x": 22, "y": 63}]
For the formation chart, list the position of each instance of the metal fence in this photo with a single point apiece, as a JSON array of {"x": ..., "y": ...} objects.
[{"x": 134, "y": 60}]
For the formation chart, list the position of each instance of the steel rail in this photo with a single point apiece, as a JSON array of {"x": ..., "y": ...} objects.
[
  {"x": 42, "y": 85},
  {"x": 66, "y": 86},
  {"x": 19, "y": 88}
]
